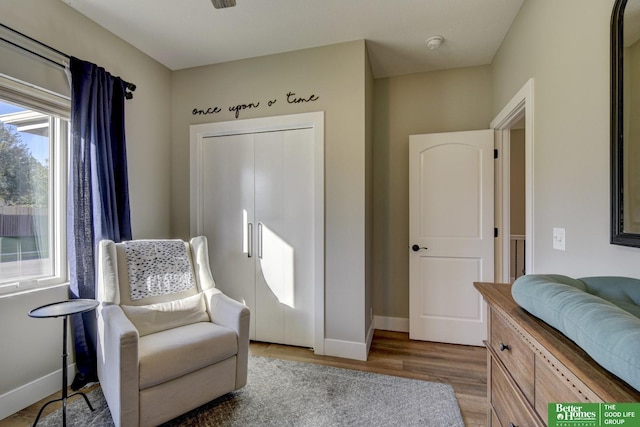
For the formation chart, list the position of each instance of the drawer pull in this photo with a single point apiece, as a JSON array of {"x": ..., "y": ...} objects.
[
  {"x": 504, "y": 347},
  {"x": 512, "y": 425}
]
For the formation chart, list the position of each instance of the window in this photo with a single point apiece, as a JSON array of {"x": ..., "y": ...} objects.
[{"x": 33, "y": 177}]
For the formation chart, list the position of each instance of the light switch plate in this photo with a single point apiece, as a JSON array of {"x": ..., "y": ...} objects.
[{"x": 558, "y": 239}]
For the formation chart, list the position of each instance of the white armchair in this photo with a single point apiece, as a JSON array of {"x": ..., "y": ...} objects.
[{"x": 168, "y": 340}]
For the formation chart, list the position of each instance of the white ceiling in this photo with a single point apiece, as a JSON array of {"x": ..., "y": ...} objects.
[{"x": 188, "y": 33}]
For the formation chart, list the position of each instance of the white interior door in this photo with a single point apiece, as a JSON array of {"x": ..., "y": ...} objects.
[{"x": 451, "y": 232}]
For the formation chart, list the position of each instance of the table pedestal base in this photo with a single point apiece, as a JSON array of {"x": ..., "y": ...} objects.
[{"x": 63, "y": 399}]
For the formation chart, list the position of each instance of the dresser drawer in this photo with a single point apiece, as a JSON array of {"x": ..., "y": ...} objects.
[
  {"x": 516, "y": 355},
  {"x": 495, "y": 422},
  {"x": 507, "y": 402},
  {"x": 555, "y": 386}
]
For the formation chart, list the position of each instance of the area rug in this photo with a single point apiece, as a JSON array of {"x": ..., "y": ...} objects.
[{"x": 285, "y": 393}]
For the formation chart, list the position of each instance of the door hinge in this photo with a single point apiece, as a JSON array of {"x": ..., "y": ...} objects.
[
  {"x": 495, "y": 232},
  {"x": 495, "y": 153}
]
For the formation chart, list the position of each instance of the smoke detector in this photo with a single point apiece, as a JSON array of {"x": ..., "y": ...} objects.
[
  {"x": 434, "y": 42},
  {"x": 221, "y": 4}
]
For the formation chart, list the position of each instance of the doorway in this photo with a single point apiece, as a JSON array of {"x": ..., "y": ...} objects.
[
  {"x": 514, "y": 122},
  {"x": 517, "y": 217},
  {"x": 514, "y": 187}
]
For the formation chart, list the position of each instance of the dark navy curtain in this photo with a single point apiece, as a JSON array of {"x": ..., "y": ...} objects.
[{"x": 98, "y": 192}]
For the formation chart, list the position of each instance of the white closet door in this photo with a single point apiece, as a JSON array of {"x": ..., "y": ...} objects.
[
  {"x": 284, "y": 240},
  {"x": 257, "y": 184},
  {"x": 298, "y": 214},
  {"x": 272, "y": 278},
  {"x": 228, "y": 189},
  {"x": 258, "y": 198}
]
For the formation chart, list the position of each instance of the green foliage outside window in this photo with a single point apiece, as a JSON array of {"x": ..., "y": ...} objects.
[{"x": 23, "y": 179}]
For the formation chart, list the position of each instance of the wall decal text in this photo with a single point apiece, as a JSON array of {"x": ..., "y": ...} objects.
[
  {"x": 292, "y": 100},
  {"x": 239, "y": 107},
  {"x": 290, "y": 97}
]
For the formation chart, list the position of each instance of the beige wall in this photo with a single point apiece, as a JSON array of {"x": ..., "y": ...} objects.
[
  {"x": 564, "y": 47},
  {"x": 337, "y": 76},
  {"x": 31, "y": 347},
  {"x": 440, "y": 101},
  {"x": 369, "y": 194},
  {"x": 517, "y": 182}
]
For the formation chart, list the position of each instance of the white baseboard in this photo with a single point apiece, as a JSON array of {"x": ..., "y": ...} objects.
[
  {"x": 396, "y": 324},
  {"x": 350, "y": 349},
  {"x": 372, "y": 329},
  {"x": 28, "y": 394},
  {"x": 346, "y": 349}
]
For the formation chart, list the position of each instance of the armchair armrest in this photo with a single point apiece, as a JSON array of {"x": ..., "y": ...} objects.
[
  {"x": 226, "y": 311},
  {"x": 230, "y": 313},
  {"x": 117, "y": 358}
]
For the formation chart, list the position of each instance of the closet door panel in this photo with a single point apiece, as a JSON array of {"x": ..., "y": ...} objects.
[
  {"x": 284, "y": 213},
  {"x": 228, "y": 203},
  {"x": 298, "y": 209},
  {"x": 272, "y": 277}
]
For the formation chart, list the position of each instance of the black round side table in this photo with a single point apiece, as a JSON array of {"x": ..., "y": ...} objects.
[{"x": 64, "y": 309}]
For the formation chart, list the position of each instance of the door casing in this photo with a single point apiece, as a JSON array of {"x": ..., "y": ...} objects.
[{"x": 521, "y": 105}]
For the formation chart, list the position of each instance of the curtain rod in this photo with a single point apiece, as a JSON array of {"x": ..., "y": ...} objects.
[{"x": 130, "y": 86}]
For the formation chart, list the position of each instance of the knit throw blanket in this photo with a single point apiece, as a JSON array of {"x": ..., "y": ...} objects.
[{"x": 158, "y": 267}]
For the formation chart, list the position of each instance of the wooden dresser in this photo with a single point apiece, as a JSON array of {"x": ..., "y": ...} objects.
[{"x": 531, "y": 364}]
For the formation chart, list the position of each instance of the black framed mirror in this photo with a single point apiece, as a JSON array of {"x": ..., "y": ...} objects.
[{"x": 625, "y": 123}]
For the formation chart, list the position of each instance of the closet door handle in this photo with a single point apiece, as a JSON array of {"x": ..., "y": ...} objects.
[
  {"x": 260, "y": 240},
  {"x": 249, "y": 240}
]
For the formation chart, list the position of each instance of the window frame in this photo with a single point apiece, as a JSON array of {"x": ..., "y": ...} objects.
[{"x": 58, "y": 107}]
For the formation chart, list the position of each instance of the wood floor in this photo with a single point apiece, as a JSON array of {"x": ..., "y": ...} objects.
[{"x": 392, "y": 353}]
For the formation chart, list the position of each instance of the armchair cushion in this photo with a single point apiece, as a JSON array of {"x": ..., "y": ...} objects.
[
  {"x": 176, "y": 352},
  {"x": 152, "y": 318}
]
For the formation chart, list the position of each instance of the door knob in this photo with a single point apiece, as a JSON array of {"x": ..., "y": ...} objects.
[{"x": 416, "y": 248}]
